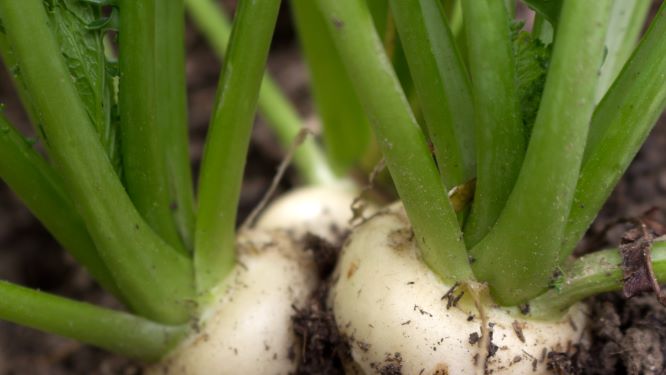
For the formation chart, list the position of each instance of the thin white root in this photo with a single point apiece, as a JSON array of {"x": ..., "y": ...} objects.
[
  {"x": 282, "y": 168},
  {"x": 477, "y": 292}
]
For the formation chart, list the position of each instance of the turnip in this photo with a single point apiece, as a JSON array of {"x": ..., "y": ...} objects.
[
  {"x": 247, "y": 322},
  {"x": 460, "y": 99},
  {"x": 544, "y": 156},
  {"x": 398, "y": 311},
  {"x": 246, "y": 325},
  {"x": 119, "y": 194}
]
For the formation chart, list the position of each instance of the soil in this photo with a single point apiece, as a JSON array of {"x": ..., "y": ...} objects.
[
  {"x": 627, "y": 336},
  {"x": 322, "y": 345}
]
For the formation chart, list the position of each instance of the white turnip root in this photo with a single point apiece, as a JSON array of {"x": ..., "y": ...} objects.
[
  {"x": 324, "y": 211},
  {"x": 246, "y": 327},
  {"x": 397, "y": 314}
]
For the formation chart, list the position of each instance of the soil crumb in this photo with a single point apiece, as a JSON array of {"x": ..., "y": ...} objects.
[
  {"x": 392, "y": 365},
  {"x": 322, "y": 346},
  {"x": 325, "y": 253},
  {"x": 626, "y": 337},
  {"x": 560, "y": 363}
]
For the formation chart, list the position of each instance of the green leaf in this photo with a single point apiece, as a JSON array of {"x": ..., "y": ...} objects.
[
  {"x": 83, "y": 49},
  {"x": 550, "y": 9}
]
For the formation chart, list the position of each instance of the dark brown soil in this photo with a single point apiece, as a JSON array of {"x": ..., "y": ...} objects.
[
  {"x": 626, "y": 337},
  {"x": 322, "y": 347}
]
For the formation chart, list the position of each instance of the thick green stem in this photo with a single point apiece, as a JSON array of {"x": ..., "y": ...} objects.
[
  {"x": 590, "y": 275},
  {"x": 620, "y": 125},
  {"x": 39, "y": 187},
  {"x": 457, "y": 24},
  {"x": 380, "y": 15},
  {"x": 500, "y": 135},
  {"x": 400, "y": 138},
  {"x": 542, "y": 29},
  {"x": 346, "y": 128},
  {"x": 273, "y": 105},
  {"x": 550, "y": 9},
  {"x": 624, "y": 28},
  {"x": 228, "y": 140},
  {"x": 154, "y": 278},
  {"x": 396, "y": 54},
  {"x": 171, "y": 112},
  {"x": 115, "y": 331},
  {"x": 510, "y": 6},
  {"x": 454, "y": 14},
  {"x": 442, "y": 85},
  {"x": 9, "y": 61},
  {"x": 519, "y": 255},
  {"x": 142, "y": 137}
]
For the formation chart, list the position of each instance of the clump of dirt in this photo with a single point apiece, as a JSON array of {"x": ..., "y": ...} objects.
[
  {"x": 392, "y": 365},
  {"x": 627, "y": 337},
  {"x": 323, "y": 350},
  {"x": 560, "y": 363},
  {"x": 322, "y": 346},
  {"x": 325, "y": 253}
]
